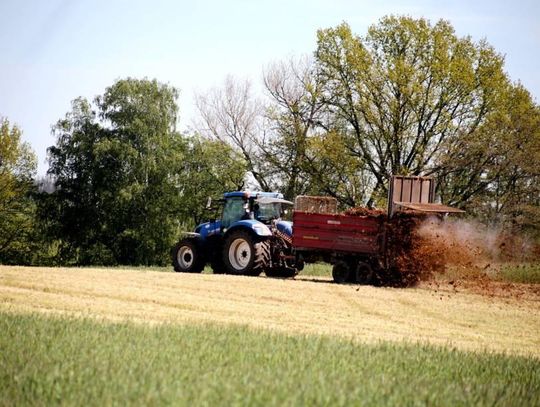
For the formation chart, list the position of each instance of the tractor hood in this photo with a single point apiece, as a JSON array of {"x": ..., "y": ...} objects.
[{"x": 208, "y": 229}]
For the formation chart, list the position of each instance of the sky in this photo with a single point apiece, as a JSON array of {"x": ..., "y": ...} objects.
[{"x": 54, "y": 51}]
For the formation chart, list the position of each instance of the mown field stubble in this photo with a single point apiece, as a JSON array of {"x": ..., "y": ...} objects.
[{"x": 435, "y": 315}]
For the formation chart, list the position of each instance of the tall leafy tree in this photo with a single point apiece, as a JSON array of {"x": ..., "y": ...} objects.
[
  {"x": 115, "y": 164},
  {"x": 303, "y": 145},
  {"x": 126, "y": 181},
  {"x": 408, "y": 92},
  {"x": 17, "y": 210},
  {"x": 409, "y": 97},
  {"x": 495, "y": 175}
]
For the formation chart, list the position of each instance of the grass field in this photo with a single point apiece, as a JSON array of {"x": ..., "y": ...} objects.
[
  {"x": 56, "y": 360},
  {"x": 521, "y": 273},
  {"x": 524, "y": 273},
  {"x": 139, "y": 336},
  {"x": 437, "y": 315},
  {"x": 317, "y": 269}
]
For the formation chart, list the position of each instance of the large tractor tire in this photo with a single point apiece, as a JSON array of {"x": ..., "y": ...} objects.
[
  {"x": 187, "y": 256},
  {"x": 245, "y": 254}
]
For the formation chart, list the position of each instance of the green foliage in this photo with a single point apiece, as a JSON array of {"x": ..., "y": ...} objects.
[
  {"x": 408, "y": 92},
  {"x": 209, "y": 168},
  {"x": 335, "y": 172},
  {"x": 495, "y": 174},
  {"x": 82, "y": 362},
  {"x": 17, "y": 209},
  {"x": 125, "y": 179},
  {"x": 408, "y": 98}
]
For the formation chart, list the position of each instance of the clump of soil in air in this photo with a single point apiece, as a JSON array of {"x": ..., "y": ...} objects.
[
  {"x": 419, "y": 245},
  {"x": 411, "y": 258}
]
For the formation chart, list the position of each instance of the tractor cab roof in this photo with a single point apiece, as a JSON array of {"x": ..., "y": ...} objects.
[{"x": 252, "y": 194}]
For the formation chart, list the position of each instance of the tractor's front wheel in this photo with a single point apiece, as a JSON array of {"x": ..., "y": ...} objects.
[
  {"x": 187, "y": 256},
  {"x": 244, "y": 254}
]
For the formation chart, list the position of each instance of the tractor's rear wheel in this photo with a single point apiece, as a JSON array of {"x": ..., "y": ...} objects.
[
  {"x": 187, "y": 256},
  {"x": 341, "y": 272},
  {"x": 245, "y": 254}
]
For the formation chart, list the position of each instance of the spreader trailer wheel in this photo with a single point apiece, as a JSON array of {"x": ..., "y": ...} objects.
[
  {"x": 363, "y": 273},
  {"x": 341, "y": 272}
]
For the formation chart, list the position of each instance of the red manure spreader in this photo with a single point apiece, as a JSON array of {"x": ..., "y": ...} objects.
[{"x": 360, "y": 243}]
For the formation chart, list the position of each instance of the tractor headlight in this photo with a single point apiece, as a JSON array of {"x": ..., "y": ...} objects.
[{"x": 261, "y": 230}]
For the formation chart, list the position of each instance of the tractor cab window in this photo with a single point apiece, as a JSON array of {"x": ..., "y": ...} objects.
[
  {"x": 267, "y": 212},
  {"x": 233, "y": 211}
]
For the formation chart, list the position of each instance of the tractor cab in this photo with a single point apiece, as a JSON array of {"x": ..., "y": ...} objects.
[
  {"x": 263, "y": 207},
  {"x": 248, "y": 238}
]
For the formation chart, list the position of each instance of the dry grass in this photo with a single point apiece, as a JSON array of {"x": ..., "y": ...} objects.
[{"x": 311, "y": 305}]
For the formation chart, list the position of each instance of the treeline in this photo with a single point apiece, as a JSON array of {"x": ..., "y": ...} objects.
[
  {"x": 126, "y": 182},
  {"x": 407, "y": 98}
]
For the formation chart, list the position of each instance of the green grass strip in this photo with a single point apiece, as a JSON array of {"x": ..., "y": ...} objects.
[
  {"x": 521, "y": 273},
  {"x": 62, "y": 361}
]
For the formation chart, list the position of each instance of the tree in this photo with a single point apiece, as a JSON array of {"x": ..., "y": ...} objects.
[
  {"x": 304, "y": 146},
  {"x": 126, "y": 182},
  {"x": 408, "y": 98},
  {"x": 496, "y": 175},
  {"x": 115, "y": 164},
  {"x": 281, "y": 140},
  {"x": 292, "y": 115},
  {"x": 17, "y": 210},
  {"x": 210, "y": 167},
  {"x": 408, "y": 92},
  {"x": 232, "y": 115}
]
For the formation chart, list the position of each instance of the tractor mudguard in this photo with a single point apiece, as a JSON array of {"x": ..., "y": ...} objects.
[
  {"x": 260, "y": 229},
  {"x": 285, "y": 226}
]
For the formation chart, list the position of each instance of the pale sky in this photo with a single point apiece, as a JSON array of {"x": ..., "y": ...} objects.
[{"x": 54, "y": 51}]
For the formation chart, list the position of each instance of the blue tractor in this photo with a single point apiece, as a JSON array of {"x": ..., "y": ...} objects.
[{"x": 249, "y": 239}]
